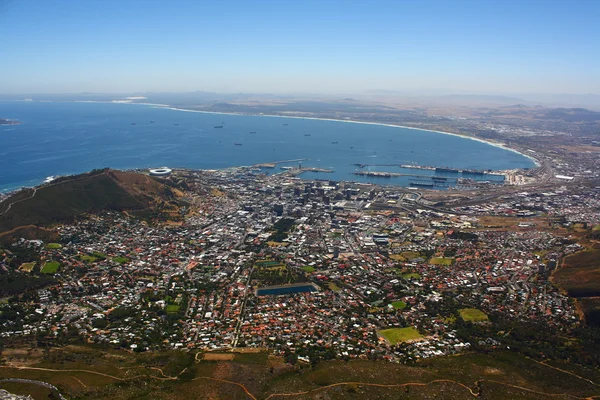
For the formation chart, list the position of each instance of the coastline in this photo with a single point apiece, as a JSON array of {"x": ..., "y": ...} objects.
[
  {"x": 169, "y": 107},
  {"x": 489, "y": 142}
]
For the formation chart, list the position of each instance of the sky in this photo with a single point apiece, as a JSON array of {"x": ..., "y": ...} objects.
[{"x": 282, "y": 46}]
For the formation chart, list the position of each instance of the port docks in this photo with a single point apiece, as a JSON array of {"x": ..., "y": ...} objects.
[
  {"x": 430, "y": 168},
  {"x": 300, "y": 171},
  {"x": 393, "y": 174},
  {"x": 275, "y": 163}
]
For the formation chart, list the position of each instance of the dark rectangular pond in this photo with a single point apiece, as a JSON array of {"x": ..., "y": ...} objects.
[{"x": 286, "y": 289}]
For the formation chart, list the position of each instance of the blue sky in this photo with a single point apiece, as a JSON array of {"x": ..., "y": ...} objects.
[{"x": 504, "y": 46}]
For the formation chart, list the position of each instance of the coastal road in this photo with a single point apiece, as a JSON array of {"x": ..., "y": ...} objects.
[{"x": 19, "y": 201}]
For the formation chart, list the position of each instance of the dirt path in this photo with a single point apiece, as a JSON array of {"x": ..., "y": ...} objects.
[
  {"x": 18, "y": 201},
  {"x": 244, "y": 388},
  {"x": 364, "y": 384}
]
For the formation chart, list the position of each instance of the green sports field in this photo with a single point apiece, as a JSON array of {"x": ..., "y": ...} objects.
[
  {"x": 472, "y": 315},
  {"x": 397, "y": 335}
]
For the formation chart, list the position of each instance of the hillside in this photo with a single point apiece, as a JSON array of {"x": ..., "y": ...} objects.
[
  {"x": 66, "y": 198},
  {"x": 91, "y": 372}
]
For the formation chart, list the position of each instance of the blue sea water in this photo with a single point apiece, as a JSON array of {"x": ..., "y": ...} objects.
[{"x": 56, "y": 138}]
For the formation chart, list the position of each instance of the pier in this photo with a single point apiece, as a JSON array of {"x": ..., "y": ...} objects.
[
  {"x": 431, "y": 168},
  {"x": 300, "y": 171},
  {"x": 393, "y": 174},
  {"x": 275, "y": 163}
]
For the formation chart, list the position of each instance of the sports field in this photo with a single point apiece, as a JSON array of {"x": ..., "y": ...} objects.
[
  {"x": 397, "y": 335},
  {"x": 50, "y": 267},
  {"x": 472, "y": 315},
  {"x": 441, "y": 261}
]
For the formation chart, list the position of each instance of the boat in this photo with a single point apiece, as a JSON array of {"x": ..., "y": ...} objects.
[
  {"x": 237, "y": 144},
  {"x": 307, "y": 134},
  {"x": 152, "y": 122},
  {"x": 446, "y": 169},
  {"x": 218, "y": 126},
  {"x": 133, "y": 123},
  {"x": 176, "y": 124},
  {"x": 285, "y": 124},
  {"x": 472, "y": 172},
  {"x": 252, "y": 133},
  {"x": 334, "y": 142},
  {"x": 422, "y": 184}
]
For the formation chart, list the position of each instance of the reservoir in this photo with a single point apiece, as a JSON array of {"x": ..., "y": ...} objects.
[
  {"x": 61, "y": 138},
  {"x": 286, "y": 289}
]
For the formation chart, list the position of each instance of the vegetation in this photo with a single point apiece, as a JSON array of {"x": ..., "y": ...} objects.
[
  {"x": 399, "y": 305},
  {"x": 27, "y": 267},
  {"x": 54, "y": 246},
  {"x": 50, "y": 267},
  {"x": 69, "y": 197},
  {"x": 580, "y": 274},
  {"x": 88, "y": 258},
  {"x": 441, "y": 261},
  {"x": 281, "y": 229},
  {"x": 472, "y": 315},
  {"x": 308, "y": 269},
  {"x": 397, "y": 335},
  {"x": 497, "y": 375},
  {"x": 120, "y": 259},
  {"x": 172, "y": 308},
  {"x": 14, "y": 283},
  {"x": 410, "y": 275}
]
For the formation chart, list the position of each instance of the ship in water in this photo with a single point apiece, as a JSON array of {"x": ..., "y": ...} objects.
[
  {"x": 237, "y": 144},
  {"x": 307, "y": 134},
  {"x": 447, "y": 169},
  {"x": 133, "y": 123},
  {"x": 218, "y": 126},
  {"x": 334, "y": 142},
  {"x": 253, "y": 133},
  {"x": 422, "y": 184}
]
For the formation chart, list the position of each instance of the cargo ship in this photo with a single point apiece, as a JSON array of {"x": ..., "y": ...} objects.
[
  {"x": 472, "y": 172},
  {"x": 447, "y": 169},
  {"x": 422, "y": 184}
]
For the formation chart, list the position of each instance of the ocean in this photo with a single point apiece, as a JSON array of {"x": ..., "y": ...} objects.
[{"x": 56, "y": 138}]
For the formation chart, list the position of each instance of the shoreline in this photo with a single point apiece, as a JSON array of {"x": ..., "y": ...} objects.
[
  {"x": 488, "y": 142},
  {"x": 169, "y": 107}
]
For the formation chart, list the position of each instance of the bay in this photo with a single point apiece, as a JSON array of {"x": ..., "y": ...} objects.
[{"x": 61, "y": 138}]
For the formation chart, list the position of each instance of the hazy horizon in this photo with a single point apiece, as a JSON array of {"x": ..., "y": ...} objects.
[{"x": 312, "y": 47}]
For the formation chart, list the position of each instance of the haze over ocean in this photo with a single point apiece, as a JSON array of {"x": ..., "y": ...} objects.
[{"x": 69, "y": 138}]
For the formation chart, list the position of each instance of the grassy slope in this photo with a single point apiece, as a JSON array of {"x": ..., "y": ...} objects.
[
  {"x": 580, "y": 274},
  {"x": 87, "y": 193},
  {"x": 501, "y": 375}
]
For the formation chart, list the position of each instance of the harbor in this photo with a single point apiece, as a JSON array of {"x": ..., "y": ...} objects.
[{"x": 463, "y": 171}]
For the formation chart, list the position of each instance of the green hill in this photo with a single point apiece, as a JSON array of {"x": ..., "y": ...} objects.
[{"x": 64, "y": 199}]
